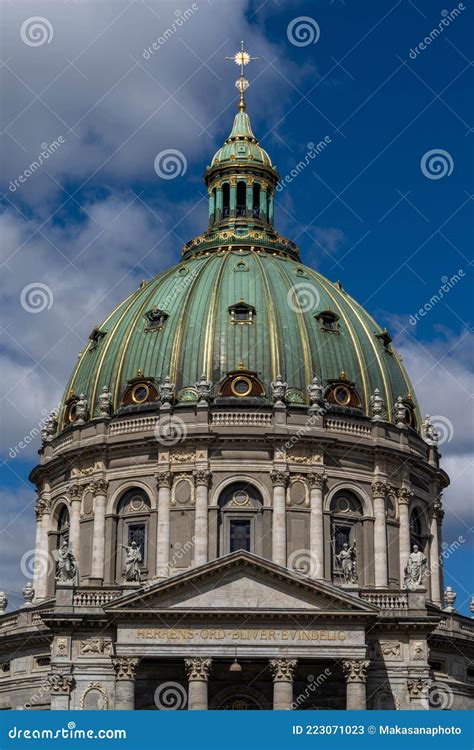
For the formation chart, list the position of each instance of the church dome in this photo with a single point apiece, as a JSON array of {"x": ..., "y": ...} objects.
[
  {"x": 241, "y": 301},
  {"x": 291, "y": 321}
]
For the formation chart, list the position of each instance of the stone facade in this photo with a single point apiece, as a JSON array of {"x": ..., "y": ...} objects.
[{"x": 282, "y": 609}]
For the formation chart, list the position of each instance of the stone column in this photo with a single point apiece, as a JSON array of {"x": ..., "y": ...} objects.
[
  {"x": 60, "y": 686},
  {"x": 379, "y": 492},
  {"x": 163, "y": 480},
  {"x": 43, "y": 561},
  {"x": 263, "y": 203},
  {"x": 38, "y": 540},
  {"x": 280, "y": 481},
  {"x": 233, "y": 197},
  {"x": 74, "y": 521},
  {"x": 212, "y": 206},
  {"x": 435, "y": 562},
  {"x": 283, "y": 671},
  {"x": 198, "y": 674},
  {"x": 249, "y": 197},
  {"x": 99, "y": 488},
  {"x": 219, "y": 203},
  {"x": 201, "y": 522},
  {"x": 418, "y": 691},
  {"x": 355, "y": 672},
  {"x": 316, "y": 524},
  {"x": 403, "y": 496},
  {"x": 125, "y": 670},
  {"x": 270, "y": 207}
]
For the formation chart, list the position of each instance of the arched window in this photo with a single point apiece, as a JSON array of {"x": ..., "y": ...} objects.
[
  {"x": 133, "y": 520},
  {"x": 240, "y": 519},
  {"x": 225, "y": 199},
  {"x": 256, "y": 201},
  {"x": 346, "y": 538},
  {"x": 63, "y": 526},
  {"x": 416, "y": 529},
  {"x": 241, "y": 198}
]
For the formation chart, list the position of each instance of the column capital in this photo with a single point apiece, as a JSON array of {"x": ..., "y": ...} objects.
[
  {"x": 436, "y": 510},
  {"x": 202, "y": 477},
  {"x": 279, "y": 478},
  {"x": 403, "y": 495},
  {"x": 98, "y": 486},
  {"x": 283, "y": 670},
  {"x": 125, "y": 667},
  {"x": 418, "y": 687},
  {"x": 355, "y": 670},
  {"x": 198, "y": 668},
  {"x": 42, "y": 505},
  {"x": 75, "y": 492},
  {"x": 379, "y": 488},
  {"x": 164, "y": 479},
  {"x": 59, "y": 683},
  {"x": 316, "y": 479}
]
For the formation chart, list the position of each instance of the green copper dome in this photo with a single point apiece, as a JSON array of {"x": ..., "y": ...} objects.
[
  {"x": 239, "y": 301},
  {"x": 198, "y": 335},
  {"x": 241, "y": 145}
]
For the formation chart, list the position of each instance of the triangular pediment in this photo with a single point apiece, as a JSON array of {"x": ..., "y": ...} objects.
[{"x": 241, "y": 582}]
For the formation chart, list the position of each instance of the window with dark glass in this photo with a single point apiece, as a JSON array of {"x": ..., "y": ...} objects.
[
  {"x": 239, "y": 535},
  {"x": 241, "y": 198},
  {"x": 256, "y": 201},
  {"x": 137, "y": 533},
  {"x": 225, "y": 199}
]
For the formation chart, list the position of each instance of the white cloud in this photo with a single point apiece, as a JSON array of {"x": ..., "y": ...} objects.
[{"x": 443, "y": 381}]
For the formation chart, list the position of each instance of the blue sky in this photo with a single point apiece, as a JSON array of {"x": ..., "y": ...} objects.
[{"x": 96, "y": 218}]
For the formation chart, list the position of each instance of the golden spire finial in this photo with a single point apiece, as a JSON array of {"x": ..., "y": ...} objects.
[{"x": 242, "y": 58}]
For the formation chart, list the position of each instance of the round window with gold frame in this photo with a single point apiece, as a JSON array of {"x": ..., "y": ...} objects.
[
  {"x": 342, "y": 395},
  {"x": 241, "y": 386},
  {"x": 140, "y": 393},
  {"x": 71, "y": 413}
]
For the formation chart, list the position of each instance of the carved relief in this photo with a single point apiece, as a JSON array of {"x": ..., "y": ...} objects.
[
  {"x": 96, "y": 646},
  {"x": 94, "y": 698},
  {"x": 298, "y": 457},
  {"x": 418, "y": 651},
  {"x": 182, "y": 456},
  {"x": 389, "y": 649},
  {"x": 298, "y": 493},
  {"x": 61, "y": 646},
  {"x": 182, "y": 492},
  {"x": 86, "y": 469}
]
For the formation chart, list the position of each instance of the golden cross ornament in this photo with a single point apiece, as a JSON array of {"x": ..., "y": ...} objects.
[{"x": 242, "y": 58}]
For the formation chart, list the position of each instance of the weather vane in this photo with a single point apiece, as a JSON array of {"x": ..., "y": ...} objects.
[{"x": 242, "y": 58}]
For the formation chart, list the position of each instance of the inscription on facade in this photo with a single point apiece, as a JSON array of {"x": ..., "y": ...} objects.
[{"x": 236, "y": 635}]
